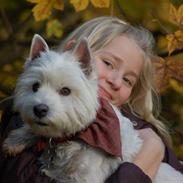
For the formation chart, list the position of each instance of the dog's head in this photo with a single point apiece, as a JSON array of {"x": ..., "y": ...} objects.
[{"x": 57, "y": 92}]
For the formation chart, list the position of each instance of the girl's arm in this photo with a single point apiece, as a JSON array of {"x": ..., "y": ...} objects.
[
  {"x": 151, "y": 154},
  {"x": 128, "y": 173},
  {"x": 146, "y": 163}
]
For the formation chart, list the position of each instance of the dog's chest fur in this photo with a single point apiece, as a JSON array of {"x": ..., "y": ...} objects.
[{"x": 75, "y": 161}]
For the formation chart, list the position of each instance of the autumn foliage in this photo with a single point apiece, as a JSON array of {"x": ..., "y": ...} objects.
[
  {"x": 167, "y": 68},
  {"x": 54, "y": 19}
]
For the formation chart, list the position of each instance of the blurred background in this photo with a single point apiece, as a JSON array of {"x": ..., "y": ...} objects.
[{"x": 55, "y": 19}]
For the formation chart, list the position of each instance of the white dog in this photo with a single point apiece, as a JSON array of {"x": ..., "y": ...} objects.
[{"x": 57, "y": 97}]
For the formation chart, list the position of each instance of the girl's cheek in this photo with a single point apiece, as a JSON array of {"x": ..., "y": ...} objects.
[
  {"x": 101, "y": 70},
  {"x": 124, "y": 95}
]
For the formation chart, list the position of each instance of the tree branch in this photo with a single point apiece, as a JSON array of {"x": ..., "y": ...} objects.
[
  {"x": 6, "y": 21},
  {"x": 166, "y": 54},
  {"x": 121, "y": 10},
  {"x": 178, "y": 78}
]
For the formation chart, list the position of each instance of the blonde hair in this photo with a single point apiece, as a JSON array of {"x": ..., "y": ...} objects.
[{"x": 144, "y": 100}]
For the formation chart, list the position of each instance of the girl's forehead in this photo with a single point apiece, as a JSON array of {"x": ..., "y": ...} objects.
[{"x": 122, "y": 41}]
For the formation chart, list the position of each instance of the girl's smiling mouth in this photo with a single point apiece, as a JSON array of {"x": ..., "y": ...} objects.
[{"x": 104, "y": 94}]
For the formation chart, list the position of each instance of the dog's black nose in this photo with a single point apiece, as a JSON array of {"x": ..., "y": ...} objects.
[{"x": 41, "y": 110}]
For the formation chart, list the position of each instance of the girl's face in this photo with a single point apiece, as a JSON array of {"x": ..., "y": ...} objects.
[{"x": 119, "y": 65}]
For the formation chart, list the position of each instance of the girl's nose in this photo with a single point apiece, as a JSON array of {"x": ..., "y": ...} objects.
[{"x": 114, "y": 80}]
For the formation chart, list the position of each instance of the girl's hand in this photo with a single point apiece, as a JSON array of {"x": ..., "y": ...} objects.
[{"x": 151, "y": 154}]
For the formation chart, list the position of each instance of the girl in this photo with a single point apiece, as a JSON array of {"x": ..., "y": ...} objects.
[{"x": 123, "y": 56}]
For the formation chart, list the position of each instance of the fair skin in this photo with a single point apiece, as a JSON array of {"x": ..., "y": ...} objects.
[{"x": 118, "y": 72}]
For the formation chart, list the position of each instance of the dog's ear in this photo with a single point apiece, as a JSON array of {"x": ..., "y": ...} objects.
[
  {"x": 38, "y": 45},
  {"x": 69, "y": 45},
  {"x": 83, "y": 55}
]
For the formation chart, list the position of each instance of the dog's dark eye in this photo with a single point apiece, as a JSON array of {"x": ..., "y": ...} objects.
[
  {"x": 65, "y": 91},
  {"x": 35, "y": 87}
]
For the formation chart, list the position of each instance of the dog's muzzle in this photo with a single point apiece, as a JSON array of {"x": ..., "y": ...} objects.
[{"x": 41, "y": 110}]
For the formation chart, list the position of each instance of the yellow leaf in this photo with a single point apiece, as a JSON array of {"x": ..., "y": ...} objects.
[
  {"x": 175, "y": 41},
  {"x": 179, "y": 37},
  {"x": 79, "y": 5},
  {"x": 54, "y": 28},
  {"x": 175, "y": 69},
  {"x": 176, "y": 86},
  {"x": 34, "y": 1},
  {"x": 173, "y": 14},
  {"x": 166, "y": 70},
  {"x": 101, "y": 3},
  {"x": 58, "y": 4},
  {"x": 180, "y": 15},
  {"x": 171, "y": 43},
  {"x": 43, "y": 9}
]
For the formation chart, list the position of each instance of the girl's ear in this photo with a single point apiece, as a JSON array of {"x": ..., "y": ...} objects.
[
  {"x": 69, "y": 45},
  {"x": 38, "y": 45},
  {"x": 82, "y": 53}
]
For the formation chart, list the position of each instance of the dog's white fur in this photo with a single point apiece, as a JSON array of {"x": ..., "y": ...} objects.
[{"x": 71, "y": 161}]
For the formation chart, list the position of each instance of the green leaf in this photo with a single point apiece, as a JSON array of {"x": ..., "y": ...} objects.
[{"x": 54, "y": 28}]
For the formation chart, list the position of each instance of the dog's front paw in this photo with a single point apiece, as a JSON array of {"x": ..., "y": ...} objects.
[
  {"x": 13, "y": 150},
  {"x": 17, "y": 141}
]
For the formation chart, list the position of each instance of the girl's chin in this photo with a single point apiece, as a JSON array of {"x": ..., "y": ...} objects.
[
  {"x": 109, "y": 100},
  {"x": 107, "y": 97}
]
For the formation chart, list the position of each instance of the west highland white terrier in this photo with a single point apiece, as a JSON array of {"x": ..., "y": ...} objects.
[{"x": 56, "y": 97}]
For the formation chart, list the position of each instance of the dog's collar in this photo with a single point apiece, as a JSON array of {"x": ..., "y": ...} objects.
[{"x": 42, "y": 142}]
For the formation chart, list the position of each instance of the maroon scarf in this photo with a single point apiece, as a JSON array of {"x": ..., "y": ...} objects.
[{"x": 104, "y": 132}]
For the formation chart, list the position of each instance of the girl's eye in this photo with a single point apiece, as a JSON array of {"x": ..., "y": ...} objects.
[
  {"x": 35, "y": 87},
  {"x": 108, "y": 64},
  {"x": 65, "y": 91},
  {"x": 128, "y": 82}
]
